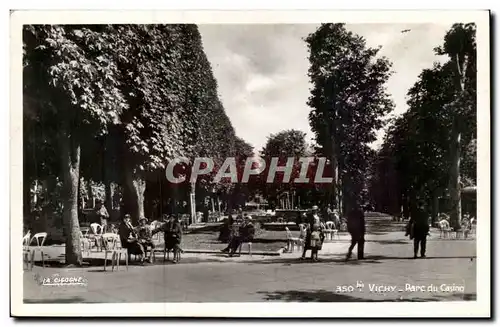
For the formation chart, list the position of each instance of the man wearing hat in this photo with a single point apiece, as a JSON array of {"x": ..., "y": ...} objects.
[
  {"x": 243, "y": 233},
  {"x": 128, "y": 238},
  {"x": 145, "y": 237},
  {"x": 247, "y": 230},
  {"x": 418, "y": 228},
  {"x": 356, "y": 227}
]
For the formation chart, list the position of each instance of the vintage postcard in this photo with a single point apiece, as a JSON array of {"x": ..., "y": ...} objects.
[{"x": 250, "y": 163}]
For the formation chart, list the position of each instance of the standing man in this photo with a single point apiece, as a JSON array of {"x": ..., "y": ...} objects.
[
  {"x": 419, "y": 225},
  {"x": 356, "y": 227},
  {"x": 102, "y": 215}
]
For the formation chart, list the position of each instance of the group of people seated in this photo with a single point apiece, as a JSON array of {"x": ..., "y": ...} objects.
[
  {"x": 137, "y": 240},
  {"x": 236, "y": 232}
]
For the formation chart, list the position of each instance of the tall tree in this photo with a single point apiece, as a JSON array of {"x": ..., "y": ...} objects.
[
  {"x": 282, "y": 145},
  {"x": 71, "y": 87},
  {"x": 460, "y": 47},
  {"x": 417, "y": 145},
  {"x": 348, "y": 102},
  {"x": 155, "y": 62}
]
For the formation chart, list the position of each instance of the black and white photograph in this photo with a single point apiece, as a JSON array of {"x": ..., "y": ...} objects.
[{"x": 236, "y": 164}]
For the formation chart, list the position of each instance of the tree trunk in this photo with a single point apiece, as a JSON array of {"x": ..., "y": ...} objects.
[
  {"x": 406, "y": 207},
  {"x": 26, "y": 198},
  {"x": 435, "y": 207},
  {"x": 340, "y": 198},
  {"x": 35, "y": 192},
  {"x": 109, "y": 196},
  {"x": 70, "y": 150},
  {"x": 192, "y": 203},
  {"x": 106, "y": 173},
  {"x": 333, "y": 200},
  {"x": 134, "y": 195},
  {"x": 454, "y": 185}
]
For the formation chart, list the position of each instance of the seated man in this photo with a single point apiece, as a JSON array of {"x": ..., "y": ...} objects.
[
  {"x": 145, "y": 237},
  {"x": 128, "y": 238},
  {"x": 234, "y": 238},
  {"x": 245, "y": 233}
]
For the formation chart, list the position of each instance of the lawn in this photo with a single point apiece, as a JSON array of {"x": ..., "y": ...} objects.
[{"x": 207, "y": 240}]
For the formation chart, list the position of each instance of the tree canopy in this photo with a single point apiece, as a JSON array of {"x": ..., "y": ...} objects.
[
  {"x": 116, "y": 103},
  {"x": 420, "y": 147}
]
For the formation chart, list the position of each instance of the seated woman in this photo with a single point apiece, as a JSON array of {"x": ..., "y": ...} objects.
[
  {"x": 172, "y": 231},
  {"x": 128, "y": 238},
  {"x": 145, "y": 237},
  {"x": 226, "y": 228}
]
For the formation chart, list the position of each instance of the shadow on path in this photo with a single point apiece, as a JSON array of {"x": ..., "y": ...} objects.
[
  {"x": 370, "y": 259},
  {"x": 74, "y": 299},
  {"x": 327, "y": 296}
]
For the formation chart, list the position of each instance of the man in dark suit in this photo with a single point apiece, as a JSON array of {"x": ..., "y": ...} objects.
[
  {"x": 419, "y": 225},
  {"x": 356, "y": 227}
]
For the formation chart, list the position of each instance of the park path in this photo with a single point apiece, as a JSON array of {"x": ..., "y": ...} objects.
[{"x": 216, "y": 278}]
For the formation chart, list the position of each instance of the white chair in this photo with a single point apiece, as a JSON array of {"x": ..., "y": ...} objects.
[
  {"x": 85, "y": 231},
  {"x": 113, "y": 246},
  {"x": 292, "y": 241},
  {"x": 40, "y": 240},
  {"x": 465, "y": 229},
  {"x": 330, "y": 230},
  {"x": 444, "y": 229},
  {"x": 85, "y": 244},
  {"x": 473, "y": 227},
  {"x": 26, "y": 250},
  {"x": 97, "y": 235},
  {"x": 155, "y": 225},
  {"x": 249, "y": 244},
  {"x": 303, "y": 231}
]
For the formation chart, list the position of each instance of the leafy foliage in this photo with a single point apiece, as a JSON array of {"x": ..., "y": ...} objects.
[
  {"x": 416, "y": 155},
  {"x": 348, "y": 101},
  {"x": 126, "y": 99}
]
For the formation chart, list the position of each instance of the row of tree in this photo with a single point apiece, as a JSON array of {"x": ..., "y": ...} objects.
[
  {"x": 348, "y": 103},
  {"x": 113, "y": 104},
  {"x": 430, "y": 151}
]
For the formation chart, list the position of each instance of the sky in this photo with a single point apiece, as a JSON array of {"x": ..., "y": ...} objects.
[{"x": 261, "y": 70}]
